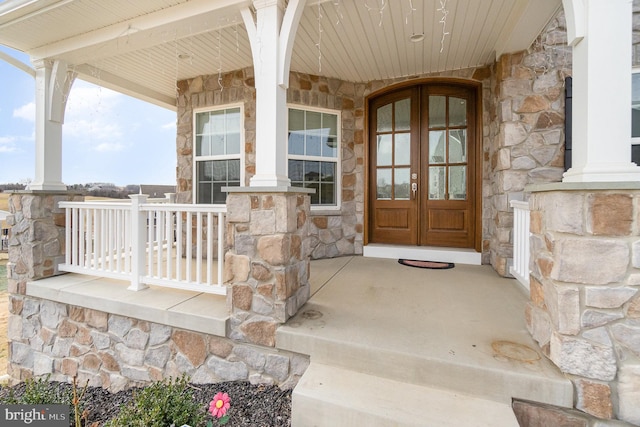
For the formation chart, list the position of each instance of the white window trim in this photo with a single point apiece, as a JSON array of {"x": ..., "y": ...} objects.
[
  {"x": 219, "y": 157},
  {"x": 338, "y": 159}
]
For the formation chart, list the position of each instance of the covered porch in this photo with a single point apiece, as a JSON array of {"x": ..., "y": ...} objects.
[{"x": 446, "y": 347}]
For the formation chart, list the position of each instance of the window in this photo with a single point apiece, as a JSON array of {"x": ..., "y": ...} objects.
[
  {"x": 314, "y": 154},
  {"x": 217, "y": 157}
]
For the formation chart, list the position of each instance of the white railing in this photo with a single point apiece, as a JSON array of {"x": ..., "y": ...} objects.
[
  {"x": 521, "y": 245},
  {"x": 147, "y": 243}
]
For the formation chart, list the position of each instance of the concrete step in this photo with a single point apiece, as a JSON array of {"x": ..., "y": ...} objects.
[
  {"x": 333, "y": 397},
  {"x": 519, "y": 372}
]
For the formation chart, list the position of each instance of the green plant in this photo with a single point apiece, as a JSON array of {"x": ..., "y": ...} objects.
[
  {"x": 161, "y": 404},
  {"x": 40, "y": 392}
]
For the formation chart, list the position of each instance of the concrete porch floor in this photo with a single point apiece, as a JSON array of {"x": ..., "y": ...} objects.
[{"x": 460, "y": 331}]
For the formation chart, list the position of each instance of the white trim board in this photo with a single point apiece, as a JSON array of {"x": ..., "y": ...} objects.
[{"x": 425, "y": 253}]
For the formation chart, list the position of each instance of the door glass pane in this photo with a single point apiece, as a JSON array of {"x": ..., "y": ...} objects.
[
  {"x": 384, "y": 118},
  {"x": 384, "y": 184},
  {"x": 457, "y": 182},
  {"x": 457, "y": 111},
  {"x": 384, "y": 150},
  {"x": 437, "y": 144},
  {"x": 437, "y": 111},
  {"x": 401, "y": 184},
  {"x": 403, "y": 114},
  {"x": 458, "y": 146},
  {"x": 436, "y": 182},
  {"x": 403, "y": 149}
]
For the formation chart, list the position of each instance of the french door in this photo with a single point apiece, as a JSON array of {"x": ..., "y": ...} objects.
[{"x": 422, "y": 168}]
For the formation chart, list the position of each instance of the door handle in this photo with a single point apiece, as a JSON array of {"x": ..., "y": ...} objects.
[{"x": 414, "y": 188}]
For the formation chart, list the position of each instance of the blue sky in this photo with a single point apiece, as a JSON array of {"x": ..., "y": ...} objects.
[{"x": 107, "y": 136}]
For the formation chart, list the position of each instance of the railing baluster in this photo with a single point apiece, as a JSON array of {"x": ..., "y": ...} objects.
[
  {"x": 188, "y": 251},
  {"x": 521, "y": 250},
  {"x": 179, "y": 246},
  {"x": 169, "y": 235},
  {"x": 199, "y": 247},
  {"x": 221, "y": 243},
  {"x": 209, "y": 247},
  {"x": 67, "y": 244}
]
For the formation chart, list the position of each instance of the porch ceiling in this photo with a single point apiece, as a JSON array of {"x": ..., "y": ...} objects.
[{"x": 141, "y": 48}]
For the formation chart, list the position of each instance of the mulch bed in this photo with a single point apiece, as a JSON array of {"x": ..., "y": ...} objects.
[{"x": 251, "y": 405}]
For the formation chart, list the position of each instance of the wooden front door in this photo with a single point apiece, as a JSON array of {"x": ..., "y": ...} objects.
[{"x": 422, "y": 145}]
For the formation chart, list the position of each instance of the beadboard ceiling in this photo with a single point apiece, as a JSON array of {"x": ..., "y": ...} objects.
[{"x": 142, "y": 47}]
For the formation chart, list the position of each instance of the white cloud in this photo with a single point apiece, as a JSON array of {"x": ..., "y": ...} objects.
[
  {"x": 169, "y": 126},
  {"x": 26, "y": 112},
  {"x": 7, "y": 148}
]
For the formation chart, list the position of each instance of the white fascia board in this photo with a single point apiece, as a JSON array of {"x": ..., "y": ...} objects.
[
  {"x": 122, "y": 85},
  {"x": 526, "y": 23},
  {"x": 180, "y": 21}
]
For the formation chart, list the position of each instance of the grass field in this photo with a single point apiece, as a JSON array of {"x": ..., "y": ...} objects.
[{"x": 4, "y": 201}]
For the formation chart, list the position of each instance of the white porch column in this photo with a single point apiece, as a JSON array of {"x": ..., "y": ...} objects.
[
  {"x": 600, "y": 33},
  {"x": 53, "y": 83},
  {"x": 272, "y": 36}
]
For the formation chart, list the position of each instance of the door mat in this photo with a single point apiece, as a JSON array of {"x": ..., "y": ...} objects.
[{"x": 426, "y": 264}]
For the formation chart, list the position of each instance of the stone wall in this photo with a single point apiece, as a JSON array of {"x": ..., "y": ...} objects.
[
  {"x": 585, "y": 301},
  {"x": 525, "y": 131},
  {"x": 36, "y": 236},
  {"x": 268, "y": 263},
  {"x": 118, "y": 352}
]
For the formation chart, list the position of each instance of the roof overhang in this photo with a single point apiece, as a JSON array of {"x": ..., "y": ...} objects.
[{"x": 142, "y": 48}]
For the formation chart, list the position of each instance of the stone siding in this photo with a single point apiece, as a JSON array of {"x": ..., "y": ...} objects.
[
  {"x": 36, "y": 236},
  {"x": 525, "y": 131},
  {"x": 117, "y": 352},
  {"x": 585, "y": 301}
]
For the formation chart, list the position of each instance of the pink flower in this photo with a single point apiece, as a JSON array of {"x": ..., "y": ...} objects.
[{"x": 220, "y": 404}]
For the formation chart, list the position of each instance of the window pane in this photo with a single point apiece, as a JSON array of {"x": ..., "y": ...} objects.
[
  {"x": 296, "y": 169},
  {"x": 384, "y": 150},
  {"x": 233, "y": 143},
  {"x": 330, "y": 146},
  {"x": 328, "y": 172},
  {"x": 202, "y": 145},
  {"x": 457, "y": 182},
  {"x": 233, "y": 120},
  {"x": 384, "y": 184},
  {"x": 437, "y": 117},
  {"x": 458, "y": 146},
  {"x": 217, "y": 144},
  {"x": 635, "y": 105},
  {"x": 217, "y": 119},
  {"x": 202, "y": 123},
  {"x": 315, "y": 197},
  {"x": 217, "y": 195},
  {"x": 403, "y": 149},
  {"x": 436, "y": 182},
  {"x": 233, "y": 168},
  {"x": 219, "y": 170},
  {"x": 403, "y": 114},
  {"x": 401, "y": 184},
  {"x": 457, "y": 111},
  {"x": 384, "y": 118},
  {"x": 204, "y": 193},
  {"x": 296, "y": 142},
  {"x": 296, "y": 119},
  {"x": 311, "y": 171},
  {"x": 313, "y": 142},
  {"x": 330, "y": 122},
  {"x": 327, "y": 194},
  {"x": 436, "y": 146}
]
